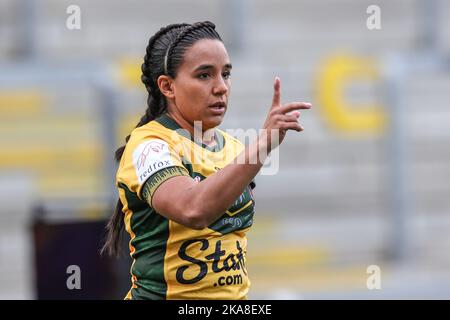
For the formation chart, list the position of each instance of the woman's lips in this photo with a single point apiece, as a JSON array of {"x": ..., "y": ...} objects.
[{"x": 218, "y": 108}]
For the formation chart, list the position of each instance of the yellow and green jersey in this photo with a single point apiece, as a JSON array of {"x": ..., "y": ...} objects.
[{"x": 171, "y": 261}]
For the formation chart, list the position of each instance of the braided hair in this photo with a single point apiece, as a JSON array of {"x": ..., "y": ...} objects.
[{"x": 163, "y": 56}]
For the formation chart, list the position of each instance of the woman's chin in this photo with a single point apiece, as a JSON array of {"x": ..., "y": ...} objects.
[{"x": 212, "y": 122}]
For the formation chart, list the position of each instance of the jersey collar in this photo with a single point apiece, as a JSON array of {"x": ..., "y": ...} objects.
[{"x": 166, "y": 121}]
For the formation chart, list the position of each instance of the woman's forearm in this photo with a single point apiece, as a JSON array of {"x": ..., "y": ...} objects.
[{"x": 210, "y": 198}]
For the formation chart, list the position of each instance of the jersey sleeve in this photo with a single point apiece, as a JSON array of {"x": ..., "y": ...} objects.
[
  {"x": 158, "y": 178},
  {"x": 149, "y": 162}
]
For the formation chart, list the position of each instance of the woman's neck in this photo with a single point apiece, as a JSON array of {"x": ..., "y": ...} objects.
[{"x": 198, "y": 133}]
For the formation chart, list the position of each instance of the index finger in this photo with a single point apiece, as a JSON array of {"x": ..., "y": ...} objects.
[
  {"x": 291, "y": 106},
  {"x": 276, "y": 93}
]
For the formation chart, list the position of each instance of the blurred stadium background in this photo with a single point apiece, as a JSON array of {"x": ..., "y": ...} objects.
[{"x": 367, "y": 183}]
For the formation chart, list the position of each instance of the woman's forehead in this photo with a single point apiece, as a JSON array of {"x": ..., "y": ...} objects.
[{"x": 206, "y": 52}]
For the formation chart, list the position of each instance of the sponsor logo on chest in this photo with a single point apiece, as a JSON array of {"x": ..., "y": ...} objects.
[{"x": 230, "y": 266}]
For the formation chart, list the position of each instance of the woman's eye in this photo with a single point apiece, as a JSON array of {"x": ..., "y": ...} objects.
[
  {"x": 226, "y": 75},
  {"x": 203, "y": 75}
]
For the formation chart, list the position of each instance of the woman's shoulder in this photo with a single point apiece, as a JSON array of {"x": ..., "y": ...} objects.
[
  {"x": 149, "y": 131},
  {"x": 150, "y": 143},
  {"x": 149, "y": 136}
]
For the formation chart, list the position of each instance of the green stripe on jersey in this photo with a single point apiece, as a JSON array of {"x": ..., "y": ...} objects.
[{"x": 151, "y": 234}]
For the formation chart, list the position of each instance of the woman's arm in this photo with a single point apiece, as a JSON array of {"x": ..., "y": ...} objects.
[{"x": 198, "y": 204}]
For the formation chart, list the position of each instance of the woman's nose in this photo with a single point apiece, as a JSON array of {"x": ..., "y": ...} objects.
[{"x": 220, "y": 87}]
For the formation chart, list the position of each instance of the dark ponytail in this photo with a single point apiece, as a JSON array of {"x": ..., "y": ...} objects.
[{"x": 163, "y": 56}]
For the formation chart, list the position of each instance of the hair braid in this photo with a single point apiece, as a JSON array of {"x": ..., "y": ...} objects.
[{"x": 155, "y": 103}]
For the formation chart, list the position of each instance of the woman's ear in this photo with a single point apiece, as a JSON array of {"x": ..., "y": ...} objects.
[{"x": 165, "y": 84}]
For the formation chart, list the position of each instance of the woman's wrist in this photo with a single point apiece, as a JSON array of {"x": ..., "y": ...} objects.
[{"x": 263, "y": 148}]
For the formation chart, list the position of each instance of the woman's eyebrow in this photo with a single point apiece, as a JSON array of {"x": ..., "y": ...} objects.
[{"x": 210, "y": 66}]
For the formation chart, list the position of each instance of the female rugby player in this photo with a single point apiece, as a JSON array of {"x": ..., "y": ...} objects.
[{"x": 187, "y": 201}]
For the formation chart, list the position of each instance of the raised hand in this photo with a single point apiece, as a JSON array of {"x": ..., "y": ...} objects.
[{"x": 281, "y": 117}]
